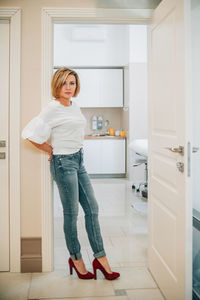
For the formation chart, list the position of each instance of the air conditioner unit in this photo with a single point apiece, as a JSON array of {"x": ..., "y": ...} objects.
[{"x": 89, "y": 34}]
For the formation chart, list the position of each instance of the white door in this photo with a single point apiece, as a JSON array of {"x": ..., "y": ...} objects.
[
  {"x": 170, "y": 202},
  {"x": 4, "y": 175}
]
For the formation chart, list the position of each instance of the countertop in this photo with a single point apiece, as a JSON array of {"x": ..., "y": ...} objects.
[{"x": 87, "y": 137}]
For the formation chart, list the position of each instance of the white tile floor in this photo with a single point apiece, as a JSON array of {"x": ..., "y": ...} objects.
[{"x": 123, "y": 219}]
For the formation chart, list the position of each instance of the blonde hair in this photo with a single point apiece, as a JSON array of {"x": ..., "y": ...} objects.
[{"x": 59, "y": 78}]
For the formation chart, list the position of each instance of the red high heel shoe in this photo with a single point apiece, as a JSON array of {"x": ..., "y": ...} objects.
[
  {"x": 97, "y": 265},
  {"x": 88, "y": 275}
]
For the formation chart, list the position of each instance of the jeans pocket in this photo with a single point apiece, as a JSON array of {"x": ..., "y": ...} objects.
[{"x": 67, "y": 165}]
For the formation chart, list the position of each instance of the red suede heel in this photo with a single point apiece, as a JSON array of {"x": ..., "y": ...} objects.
[
  {"x": 97, "y": 265},
  {"x": 88, "y": 275}
]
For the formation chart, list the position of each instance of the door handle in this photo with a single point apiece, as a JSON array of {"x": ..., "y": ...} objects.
[
  {"x": 2, "y": 155},
  {"x": 2, "y": 143},
  {"x": 179, "y": 150}
]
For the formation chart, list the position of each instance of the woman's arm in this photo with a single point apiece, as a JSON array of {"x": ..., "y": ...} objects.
[{"x": 45, "y": 147}]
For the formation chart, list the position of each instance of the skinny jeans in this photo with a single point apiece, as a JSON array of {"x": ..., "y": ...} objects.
[{"x": 74, "y": 186}]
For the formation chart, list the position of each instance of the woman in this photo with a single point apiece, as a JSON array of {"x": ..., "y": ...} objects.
[{"x": 62, "y": 121}]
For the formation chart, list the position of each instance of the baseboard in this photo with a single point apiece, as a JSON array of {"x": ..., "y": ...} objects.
[
  {"x": 107, "y": 175},
  {"x": 31, "y": 255}
]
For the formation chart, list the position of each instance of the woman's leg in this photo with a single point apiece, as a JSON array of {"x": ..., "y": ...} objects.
[
  {"x": 64, "y": 171},
  {"x": 67, "y": 182},
  {"x": 90, "y": 206}
]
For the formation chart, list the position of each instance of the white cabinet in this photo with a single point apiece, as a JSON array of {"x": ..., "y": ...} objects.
[
  {"x": 104, "y": 156},
  {"x": 100, "y": 87},
  {"x": 89, "y": 88},
  {"x": 111, "y": 87},
  {"x": 92, "y": 156}
]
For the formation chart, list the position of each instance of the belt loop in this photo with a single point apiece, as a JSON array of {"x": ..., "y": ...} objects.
[
  {"x": 54, "y": 164},
  {"x": 81, "y": 156}
]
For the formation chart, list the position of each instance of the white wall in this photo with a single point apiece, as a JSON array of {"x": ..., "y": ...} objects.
[
  {"x": 138, "y": 43},
  {"x": 138, "y": 100},
  {"x": 110, "y": 51},
  {"x": 138, "y": 81},
  {"x": 196, "y": 100},
  {"x": 137, "y": 93}
]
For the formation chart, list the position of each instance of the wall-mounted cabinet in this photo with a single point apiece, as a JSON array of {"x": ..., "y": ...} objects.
[{"x": 100, "y": 87}]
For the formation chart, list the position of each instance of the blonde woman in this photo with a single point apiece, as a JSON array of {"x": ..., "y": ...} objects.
[{"x": 62, "y": 121}]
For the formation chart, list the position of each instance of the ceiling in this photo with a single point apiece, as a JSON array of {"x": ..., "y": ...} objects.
[{"x": 127, "y": 4}]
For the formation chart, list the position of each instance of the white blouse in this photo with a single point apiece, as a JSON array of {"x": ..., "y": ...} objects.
[{"x": 64, "y": 125}]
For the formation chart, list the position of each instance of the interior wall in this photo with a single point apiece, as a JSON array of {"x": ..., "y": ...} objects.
[
  {"x": 101, "y": 45},
  {"x": 31, "y": 29},
  {"x": 138, "y": 43},
  {"x": 137, "y": 94},
  {"x": 195, "y": 98},
  {"x": 113, "y": 115}
]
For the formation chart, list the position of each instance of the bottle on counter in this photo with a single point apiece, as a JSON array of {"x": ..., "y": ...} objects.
[
  {"x": 99, "y": 122},
  {"x": 122, "y": 133},
  {"x": 94, "y": 122},
  {"x": 107, "y": 122},
  {"x": 117, "y": 132},
  {"x": 111, "y": 131}
]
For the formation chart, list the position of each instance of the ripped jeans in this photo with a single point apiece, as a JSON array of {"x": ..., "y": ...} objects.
[{"x": 74, "y": 186}]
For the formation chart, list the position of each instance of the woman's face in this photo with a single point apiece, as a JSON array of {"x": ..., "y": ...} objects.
[{"x": 68, "y": 88}]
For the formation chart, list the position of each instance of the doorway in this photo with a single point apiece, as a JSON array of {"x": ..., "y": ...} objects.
[
  {"x": 46, "y": 93},
  {"x": 4, "y": 144},
  {"x": 10, "y": 139},
  {"x": 105, "y": 50},
  {"x": 90, "y": 16}
]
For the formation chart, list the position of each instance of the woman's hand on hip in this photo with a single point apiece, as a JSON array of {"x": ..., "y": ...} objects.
[{"x": 44, "y": 147}]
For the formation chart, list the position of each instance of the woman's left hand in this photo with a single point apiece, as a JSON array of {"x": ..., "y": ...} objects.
[{"x": 50, "y": 153}]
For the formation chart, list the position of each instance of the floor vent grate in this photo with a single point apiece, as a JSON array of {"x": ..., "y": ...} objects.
[{"x": 120, "y": 292}]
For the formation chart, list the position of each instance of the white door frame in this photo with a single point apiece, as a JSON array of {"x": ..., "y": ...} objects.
[
  {"x": 71, "y": 15},
  {"x": 14, "y": 17}
]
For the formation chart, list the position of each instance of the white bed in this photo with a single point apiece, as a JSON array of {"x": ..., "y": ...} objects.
[{"x": 139, "y": 146}]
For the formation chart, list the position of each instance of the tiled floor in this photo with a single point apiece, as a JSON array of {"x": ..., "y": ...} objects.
[{"x": 123, "y": 219}]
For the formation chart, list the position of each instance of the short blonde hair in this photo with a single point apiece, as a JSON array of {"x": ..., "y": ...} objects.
[{"x": 59, "y": 78}]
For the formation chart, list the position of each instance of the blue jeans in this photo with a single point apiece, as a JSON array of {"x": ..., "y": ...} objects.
[{"x": 74, "y": 186}]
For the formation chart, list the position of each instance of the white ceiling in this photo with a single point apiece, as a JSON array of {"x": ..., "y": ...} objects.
[{"x": 127, "y": 4}]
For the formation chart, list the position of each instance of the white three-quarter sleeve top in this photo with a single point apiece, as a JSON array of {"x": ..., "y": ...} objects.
[{"x": 63, "y": 125}]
